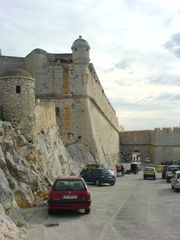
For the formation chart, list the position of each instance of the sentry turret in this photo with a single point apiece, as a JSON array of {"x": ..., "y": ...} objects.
[{"x": 80, "y": 51}]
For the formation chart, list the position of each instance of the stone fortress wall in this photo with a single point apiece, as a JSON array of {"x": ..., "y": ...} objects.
[
  {"x": 96, "y": 92},
  {"x": 160, "y": 144},
  {"x": 135, "y": 141},
  {"x": 71, "y": 94},
  {"x": 80, "y": 101},
  {"x": 83, "y": 112},
  {"x": 8, "y": 63},
  {"x": 45, "y": 116},
  {"x": 166, "y": 144}
]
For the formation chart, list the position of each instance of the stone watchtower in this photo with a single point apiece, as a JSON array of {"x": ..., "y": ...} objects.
[
  {"x": 17, "y": 100},
  {"x": 80, "y": 51},
  {"x": 80, "y": 56}
]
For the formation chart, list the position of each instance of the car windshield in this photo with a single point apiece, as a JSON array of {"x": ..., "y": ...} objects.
[
  {"x": 105, "y": 171},
  {"x": 149, "y": 169},
  {"x": 69, "y": 186},
  {"x": 172, "y": 168}
]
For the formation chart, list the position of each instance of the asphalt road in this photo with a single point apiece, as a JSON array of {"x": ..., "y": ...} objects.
[{"x": 133, "y": 209}]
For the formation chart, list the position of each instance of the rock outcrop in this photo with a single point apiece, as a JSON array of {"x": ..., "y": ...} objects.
[
  {"x": 7, "y": 228},
  {"x": 27, "y": 169}
]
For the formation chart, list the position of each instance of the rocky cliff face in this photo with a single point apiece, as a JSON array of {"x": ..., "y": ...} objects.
[{"x": 26, "y": 169}]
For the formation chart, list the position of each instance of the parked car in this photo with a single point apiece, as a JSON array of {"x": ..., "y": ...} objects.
[
  {"x": 149, "y": 172},
  {"x": 132, "y": 167},
  {"x": 69, "y": 193},
  {"x": 164, "y": 171},
  {"x": 175, "y": 180},
  {"x": 169, "y": 171},
  {"x": 98, "y": 176},
  {"x": 94, "y": 165}
]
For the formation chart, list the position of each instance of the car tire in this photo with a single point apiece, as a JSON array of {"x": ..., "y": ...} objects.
[
  {"x": 154, "y": 178},
  {"x": 50, "y": 211},
  {"x": 87, "y": 210},
  {"x": 144, "y": 178},
  {"x": 111, "y": 184},
  {"x": 98, "y": 182}
]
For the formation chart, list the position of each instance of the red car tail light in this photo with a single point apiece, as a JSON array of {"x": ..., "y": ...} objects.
[{"x": 87, "y": 196}]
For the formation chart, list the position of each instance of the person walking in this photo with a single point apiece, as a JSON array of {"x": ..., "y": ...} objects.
[{"x": 122, "y": 170}]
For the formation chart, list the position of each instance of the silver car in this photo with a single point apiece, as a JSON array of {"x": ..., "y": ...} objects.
[
  {"x": 170, "y": 170},
  {"x": 175, "y": 180}
]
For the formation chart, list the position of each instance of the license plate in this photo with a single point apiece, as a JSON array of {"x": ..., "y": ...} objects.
[{"x": 70, "y": 197}]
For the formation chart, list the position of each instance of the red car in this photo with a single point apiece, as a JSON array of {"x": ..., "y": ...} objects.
[{"x": 69, "y": 193}]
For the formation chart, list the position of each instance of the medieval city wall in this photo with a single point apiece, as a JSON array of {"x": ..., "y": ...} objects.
[
  {"x": 105, "y": 135},
  {"x": 9, "y": 63},
  {"x": 96, "y": 92},
  {"x": 50, "y": 72},
  {"x": 80, "y": 120},
  {"x": 166, "y": 144},
  {"x": 159, "y": 145},
  {"x": 135, "y": 141},
  {"x": 45, "y": 116},
  {"x": 96, "y": 119}
]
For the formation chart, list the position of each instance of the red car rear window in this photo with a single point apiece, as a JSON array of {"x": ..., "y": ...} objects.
[{"x": 69, "y": 186}]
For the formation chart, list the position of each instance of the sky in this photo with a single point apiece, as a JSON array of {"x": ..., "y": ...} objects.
[{"x": 135, "y": 49}]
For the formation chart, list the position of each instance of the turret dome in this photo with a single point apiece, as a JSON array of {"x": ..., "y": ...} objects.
[
  {"x": 80, "y": 51},
  {"x": 80, "y": 42}
]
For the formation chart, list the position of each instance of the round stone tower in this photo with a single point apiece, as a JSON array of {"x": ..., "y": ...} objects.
[
  {"x": 80, "y": 51},
  {"x": 36, "y": 63},
  {"x": 18, "y": 100}
]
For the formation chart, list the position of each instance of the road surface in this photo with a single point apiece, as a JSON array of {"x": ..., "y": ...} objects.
[{"x": 132, "y": 209}]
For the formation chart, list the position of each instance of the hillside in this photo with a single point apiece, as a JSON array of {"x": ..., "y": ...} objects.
[{"x": 27, "y": 169}]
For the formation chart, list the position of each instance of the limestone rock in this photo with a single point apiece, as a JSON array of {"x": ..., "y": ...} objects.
[
  {"x": 7, "y": 228},
  {"x": 21, "y": 141},
  {"x": 26, "y": 169},
  {"x": 19, "y": 168},
  {"x": 56, "y": 161},
  {"x": 9, "y": 146},
  {"x": 6, "y": 195},
  {"x": 2, "y": 160},
  {"x": 24, "y": 196},
  {"x": 81, "y": 156}
]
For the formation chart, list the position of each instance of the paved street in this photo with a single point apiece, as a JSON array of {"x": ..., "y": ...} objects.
[{"x": 133, "y": 209}]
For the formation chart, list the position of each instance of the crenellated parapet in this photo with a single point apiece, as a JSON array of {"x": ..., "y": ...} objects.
[
  {"x": 166, "y": 136},
  {"x": 167, "y": 130}
]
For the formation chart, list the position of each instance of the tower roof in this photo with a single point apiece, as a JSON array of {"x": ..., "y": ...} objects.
[
  {"x": 80, "y": 42},
  {"x": 16, "y": 73}
]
